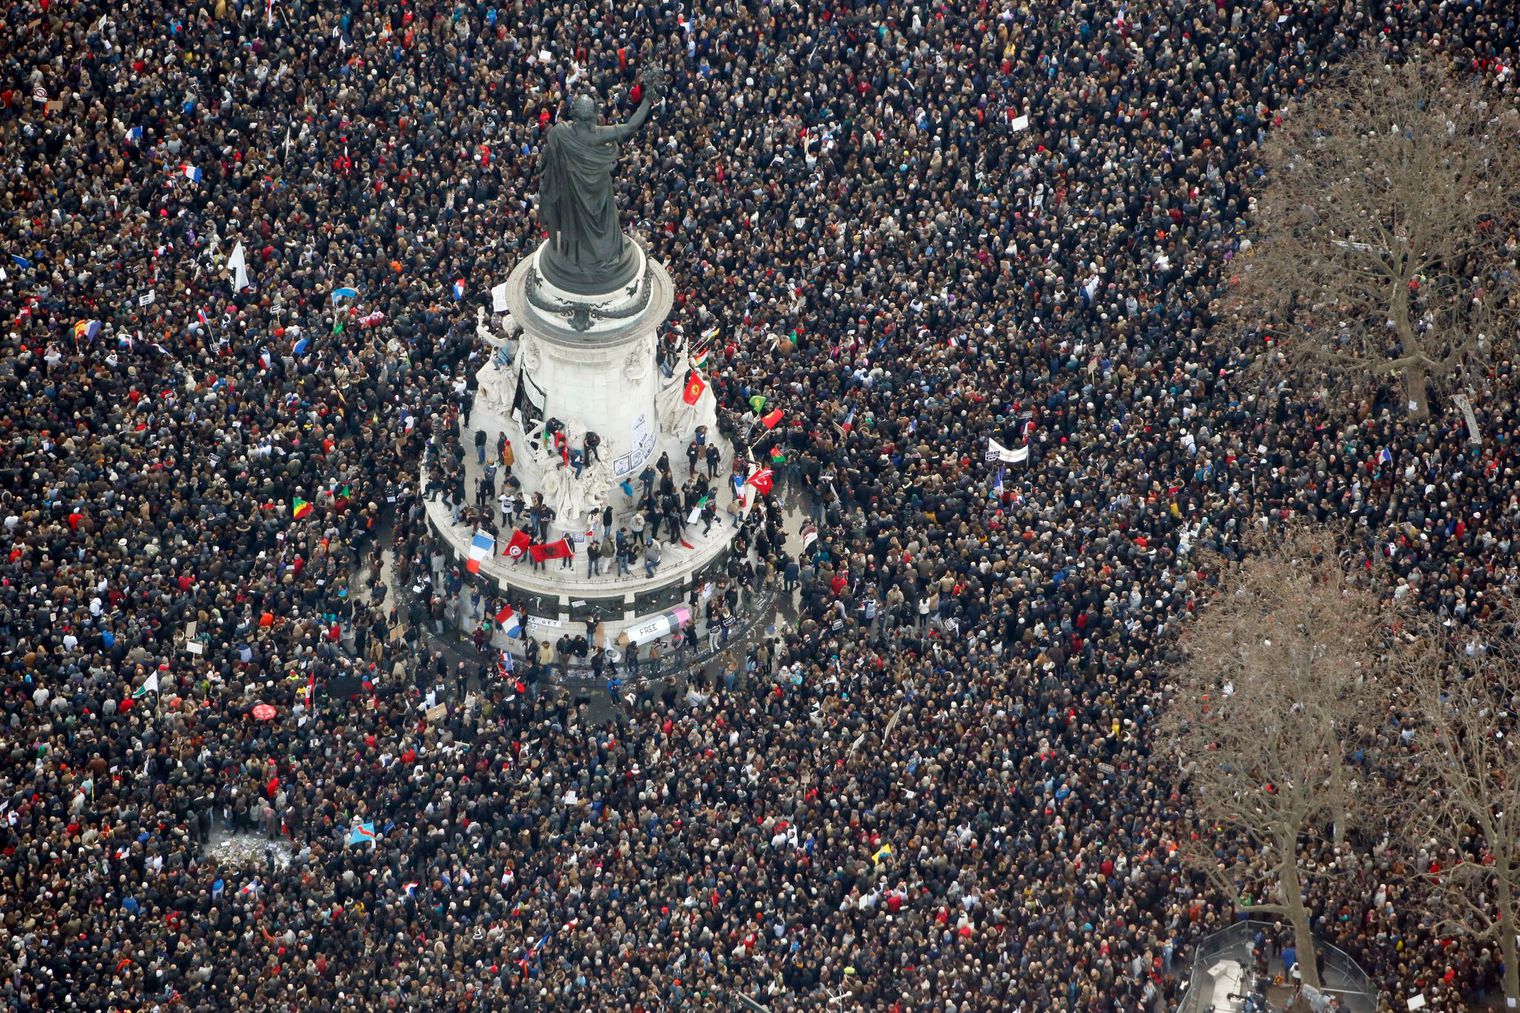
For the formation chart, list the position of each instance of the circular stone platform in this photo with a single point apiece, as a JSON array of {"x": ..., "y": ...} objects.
[{"x": 589, "y": 362}]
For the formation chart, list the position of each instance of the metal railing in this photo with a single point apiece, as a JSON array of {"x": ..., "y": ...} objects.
[{"x": 1344, "y": 978}]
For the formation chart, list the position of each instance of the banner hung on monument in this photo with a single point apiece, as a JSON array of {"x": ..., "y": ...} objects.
[
  {"x": 641, "y": 446},
  {"x": 528, "y": 403}
]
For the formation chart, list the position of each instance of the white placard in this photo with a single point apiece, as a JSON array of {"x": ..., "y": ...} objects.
[
  {"x": 499, "y": 298},
  {"x": 1020, "y": 123},
  {"x": 1417, "y": 1001},
  {"x": 535, "y": 623},
  {"x": 146, "y": 299},
  {"x": 640, "y": 446}
]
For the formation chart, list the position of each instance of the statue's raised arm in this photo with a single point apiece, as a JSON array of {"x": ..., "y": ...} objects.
[{"x": 587, "y": 250}]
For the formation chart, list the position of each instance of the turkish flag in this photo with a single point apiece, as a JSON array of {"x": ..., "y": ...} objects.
[
  {"x": 762, "y": 481},
  {"x": 553, "y": 550},
  {"x": 518, "y": 545},
  {"x": 695, "y": 385}
]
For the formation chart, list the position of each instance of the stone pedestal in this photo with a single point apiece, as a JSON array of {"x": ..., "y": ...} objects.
[{"x": 588, "y": 363}]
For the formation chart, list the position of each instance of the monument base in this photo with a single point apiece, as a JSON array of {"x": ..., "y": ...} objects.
[{"x": 556, "y": 598}]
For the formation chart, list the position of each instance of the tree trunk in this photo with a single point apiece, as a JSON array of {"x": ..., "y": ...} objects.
[
  {"x": 1417, "y": 389},
  {"x": 1507, "y": 941},
  {"x": 1292, "y": 896}
]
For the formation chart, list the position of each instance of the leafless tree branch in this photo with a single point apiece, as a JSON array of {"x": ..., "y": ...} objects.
[{"x": 1385, "y": 232}]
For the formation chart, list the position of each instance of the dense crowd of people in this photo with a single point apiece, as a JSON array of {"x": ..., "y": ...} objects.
[{"x": 916, "y": 226}]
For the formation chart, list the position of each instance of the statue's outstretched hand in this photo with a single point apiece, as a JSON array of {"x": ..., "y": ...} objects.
[{"x": 655, "y": 83}]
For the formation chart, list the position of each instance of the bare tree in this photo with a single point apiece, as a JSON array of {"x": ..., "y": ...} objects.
[
  {"x": 1462, "y": 702},
  {"x": 1384, "y": 240},
  {"x": 1272, "y": 698}
]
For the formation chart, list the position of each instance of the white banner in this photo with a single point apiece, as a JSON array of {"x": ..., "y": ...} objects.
[
  {"x": 656, "y": 627},
  {"x": 499, "y": 298},
  {"x": 1474, "y": 436},
  {"x": 997, "y": 452}
]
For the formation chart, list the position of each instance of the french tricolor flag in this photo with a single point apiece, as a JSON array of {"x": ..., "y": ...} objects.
[
  {"x": 191, "y": 172},
  {"x": 482, "y": 547},
  {"x": 458, "y": 289}
]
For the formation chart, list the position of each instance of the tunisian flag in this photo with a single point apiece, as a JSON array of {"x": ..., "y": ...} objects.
[
  {"x": 518, "y": 544},
  {"x": 553, "y": 550},
  {"x": 695, "y": 385}
]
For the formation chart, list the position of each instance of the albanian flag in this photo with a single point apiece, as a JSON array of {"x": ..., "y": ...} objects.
[{"x": 553, "y": 550}]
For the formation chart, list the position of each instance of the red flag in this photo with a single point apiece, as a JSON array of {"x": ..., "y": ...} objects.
[
  {"x": 695, "y": 385},
  {"x": 518, "y": 545},
  {"x": 762, "y": 481},
  {"x": 553, "y": 550},
  {"x": 771, "y": 418},
  {"x": 686, "y": 545}
]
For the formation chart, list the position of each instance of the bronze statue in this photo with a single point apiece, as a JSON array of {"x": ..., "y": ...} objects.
[{"x": 587, "y": 251}]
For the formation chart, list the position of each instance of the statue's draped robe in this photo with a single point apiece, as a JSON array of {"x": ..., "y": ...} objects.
[{"x": 576, "y": 196}]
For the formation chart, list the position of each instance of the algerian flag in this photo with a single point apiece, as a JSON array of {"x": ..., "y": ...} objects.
[{"x": 150, "y": 685}]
